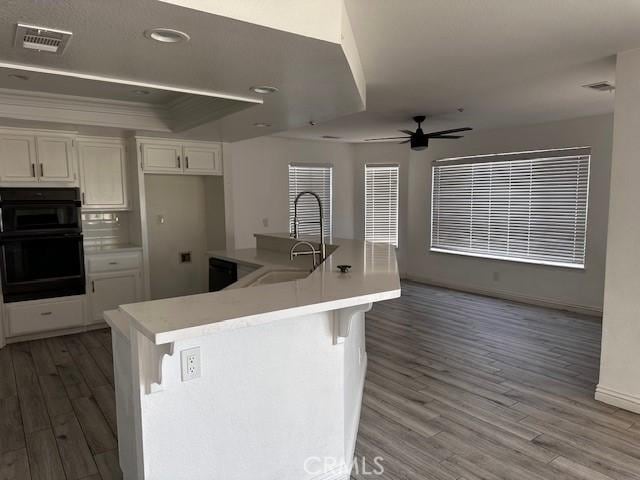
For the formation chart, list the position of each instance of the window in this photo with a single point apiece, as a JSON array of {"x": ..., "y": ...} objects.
[
  {"x": 381, "y": 203},
  {"x": 319, "y": 180},
  {"x": 526, "y": 207}
]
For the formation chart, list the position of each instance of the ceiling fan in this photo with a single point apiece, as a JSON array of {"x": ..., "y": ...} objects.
[{"x": 420, "y": 140}]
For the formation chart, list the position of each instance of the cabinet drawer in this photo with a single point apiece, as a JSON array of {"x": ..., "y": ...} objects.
[
  {"x": 26, "y": 317},
  {"x": 111, "y": 263}
]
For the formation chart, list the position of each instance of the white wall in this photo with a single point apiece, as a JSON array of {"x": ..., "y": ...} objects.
[
  {"x": 536, "y": 283},
  {"x": 619, "y": 373},
  {"x": 259, "y": 184},
  {"x": 281, "y": 391},
  {"x": 181, "y": 200}
]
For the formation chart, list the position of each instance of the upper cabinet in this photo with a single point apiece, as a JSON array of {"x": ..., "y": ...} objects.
[
  {"x": 181, "y": 158},
  {"x": 103, "y": 179},
  {"x": 55, "y": 159},
  {"x": 162, "y": 157},
  {"x": 35, "y": 158},
  {"x": 17, "y": 158}
]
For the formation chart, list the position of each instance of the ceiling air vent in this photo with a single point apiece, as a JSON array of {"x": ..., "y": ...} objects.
[
  {"x": 601, "y": 86},
  {"x": 42, "y": 39}
]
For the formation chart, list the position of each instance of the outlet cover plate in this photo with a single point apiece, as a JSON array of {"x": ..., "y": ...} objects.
[{"x": 190, "y": 363}]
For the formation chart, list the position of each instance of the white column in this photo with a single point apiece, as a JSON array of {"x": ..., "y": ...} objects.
[{"x": 620, "y": 363}]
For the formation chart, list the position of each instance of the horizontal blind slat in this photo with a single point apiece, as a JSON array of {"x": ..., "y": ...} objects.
[
  {"x": 532, "y": 209},
  {"x": 381, "y": 203}
]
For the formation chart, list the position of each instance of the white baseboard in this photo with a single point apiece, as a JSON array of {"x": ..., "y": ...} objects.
[
  {"x": 618, "y": 399},
  {"x": 515, "y": 297}
]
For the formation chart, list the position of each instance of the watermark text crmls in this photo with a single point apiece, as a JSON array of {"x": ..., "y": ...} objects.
[{"x": 361, "y": 465}]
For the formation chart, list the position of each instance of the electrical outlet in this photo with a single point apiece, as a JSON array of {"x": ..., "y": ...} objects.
[
  {"x": 496, "y": 276},
  {"x": 265, "y": 222},
  {"x": 190, "y": 361}
]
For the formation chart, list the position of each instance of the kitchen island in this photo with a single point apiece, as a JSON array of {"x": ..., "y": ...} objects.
[{"x": 279, "y": 371}]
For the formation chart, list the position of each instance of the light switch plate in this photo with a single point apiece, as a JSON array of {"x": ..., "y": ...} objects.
[{"x": 190, "y": 362}]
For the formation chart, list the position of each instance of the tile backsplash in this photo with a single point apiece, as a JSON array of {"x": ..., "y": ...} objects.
[{"x": 105, "y": 228}]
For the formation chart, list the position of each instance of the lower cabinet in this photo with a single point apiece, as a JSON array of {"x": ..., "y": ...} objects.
[
  {"x": 113, "y": 279},
  {"x": 35, "y": 316},
  {"x": 110, "y": 289}
]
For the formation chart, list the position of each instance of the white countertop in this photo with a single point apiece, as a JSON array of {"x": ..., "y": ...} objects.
[{"x": 373, "y": 277}]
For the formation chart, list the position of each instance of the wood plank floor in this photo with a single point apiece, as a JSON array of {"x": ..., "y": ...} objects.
[
  {"x": 57, "y": 409},
  {"x": 459, "y": 387}
]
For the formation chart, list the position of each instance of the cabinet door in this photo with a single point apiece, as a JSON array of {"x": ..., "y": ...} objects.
[
  {"x": 162, "y": 158},
  {"x": 17, "y": 158},
  {"x": 55, "y": 159},
  {"x": 102, "y": 175},
  {"x": 109, "y": 290},
  {"x": 202, "y": 160}
]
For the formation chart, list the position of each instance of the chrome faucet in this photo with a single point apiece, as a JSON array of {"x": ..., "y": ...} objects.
[
  {"x": 323, "y": 246},
  {"x": 312, "y": 251}
]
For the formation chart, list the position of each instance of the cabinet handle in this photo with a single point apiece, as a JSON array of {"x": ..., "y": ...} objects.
[
  {"x": 33, "y": 170},
  {"x": 186, "y": 160},
  {"x": 178, "y": 161},
  {"x": 93, "y": 286},
  {"x": 41, "y": 170},
  {"x": 113, "y": 263},
  {"x": 83, "y": 199},
  {"x": 44, "y": 314}
]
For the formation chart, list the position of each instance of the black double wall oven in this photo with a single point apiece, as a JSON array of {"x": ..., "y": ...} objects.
[{"x": 41, "y": 249}]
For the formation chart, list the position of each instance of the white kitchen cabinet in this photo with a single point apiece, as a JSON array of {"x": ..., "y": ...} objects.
[
  {"x": 30, "y": 157},
  {"x": 55, "y": 159},
  {"x": 36, "y": 316},
  {"x": 111, "y": 289},
  {"x": 192, "y": 158},
  {"x": 113, "y": 279},
  {"x": 18, "y": 158},
  {"x": 202, "y": 160},
  {"x": 162, "y": 157},
  {"x": 103, "y": 179}
]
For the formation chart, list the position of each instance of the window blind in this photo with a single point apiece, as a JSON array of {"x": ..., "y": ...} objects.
[
  {"x": 318, "y": 179},
  {"x": 529, "y": 207},
  {"x": 381, "y": 203}
]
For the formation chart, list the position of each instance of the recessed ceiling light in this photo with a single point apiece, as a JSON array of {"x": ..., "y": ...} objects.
[
  {"x": 17, "y": 76},
  {"x": 264, "y": 89},
  {"x": 261, "y": 125},
  {"x": 166, "y": 35},
  {"x": 141, "y": 92}
]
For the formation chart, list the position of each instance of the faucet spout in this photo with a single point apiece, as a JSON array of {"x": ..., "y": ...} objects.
[
  {"x": 312, "y": 251},
  {"x": 323, "y": 247}
]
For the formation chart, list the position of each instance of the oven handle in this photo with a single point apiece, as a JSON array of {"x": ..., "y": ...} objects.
[{"x": 8, "y": 239}]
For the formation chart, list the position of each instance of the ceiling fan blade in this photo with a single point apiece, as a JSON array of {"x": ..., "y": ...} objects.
[
  {"x": 445, "y": 136},
  {"x": 444, "y": 132},
  {"x": 406, "y": 141},
  {"x": 385, "y": 138},
  {"x": 408, "y": 132}
]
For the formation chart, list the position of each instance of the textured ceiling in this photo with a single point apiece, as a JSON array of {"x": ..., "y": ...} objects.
[
  {"x": 505, "y": 62},
  {"x": 224, "y": 55}
]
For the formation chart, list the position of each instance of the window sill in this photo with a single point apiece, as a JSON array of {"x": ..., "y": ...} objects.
[{"x": 509, "y": 259}]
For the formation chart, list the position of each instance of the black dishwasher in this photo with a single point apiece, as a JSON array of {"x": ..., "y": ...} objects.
[{"x": 221, "y": 274}]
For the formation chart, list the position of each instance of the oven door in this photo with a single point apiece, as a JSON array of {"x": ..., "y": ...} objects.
[
  {"x": 42, "y": 267},
  {"x": 38, "y": 218}
]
